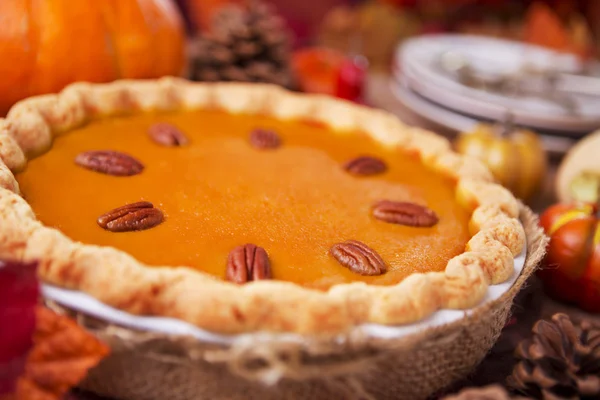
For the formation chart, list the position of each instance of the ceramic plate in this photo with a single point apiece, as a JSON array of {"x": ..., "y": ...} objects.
[
  {"x": 418, "y": 61},
  {"x": 457, "y": 122}
]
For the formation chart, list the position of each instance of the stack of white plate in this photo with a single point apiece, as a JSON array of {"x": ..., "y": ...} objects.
[{"x": 426, "y": 80}]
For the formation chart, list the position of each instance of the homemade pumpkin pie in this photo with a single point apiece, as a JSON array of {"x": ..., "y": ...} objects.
[{"x": 241, "y": 207}]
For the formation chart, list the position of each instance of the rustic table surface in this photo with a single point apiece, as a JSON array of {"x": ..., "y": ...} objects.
[{"x": 531, "y": 303}]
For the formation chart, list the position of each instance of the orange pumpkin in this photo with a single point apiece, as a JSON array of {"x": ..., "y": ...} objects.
[{"x": 46, "y": 44}]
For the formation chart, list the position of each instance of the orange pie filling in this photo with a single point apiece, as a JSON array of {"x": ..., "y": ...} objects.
[{"x": 248, "y": 197}]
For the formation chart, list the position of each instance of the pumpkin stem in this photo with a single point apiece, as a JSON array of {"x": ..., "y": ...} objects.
[{"x": 507, "y": 125}]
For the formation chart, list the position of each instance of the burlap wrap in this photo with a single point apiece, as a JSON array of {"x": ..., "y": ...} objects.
[{"x": 147, "y": 366}]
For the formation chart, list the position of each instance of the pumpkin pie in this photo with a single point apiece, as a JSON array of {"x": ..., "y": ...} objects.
[{"x": 242, "y": 207}]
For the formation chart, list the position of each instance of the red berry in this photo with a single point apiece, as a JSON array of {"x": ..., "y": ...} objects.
[{"x": 351, "y": 79}]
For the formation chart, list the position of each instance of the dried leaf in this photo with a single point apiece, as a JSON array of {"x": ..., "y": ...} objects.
[
  {"x": 63, "y": 353},
  {"x": 19, "y": 290}
]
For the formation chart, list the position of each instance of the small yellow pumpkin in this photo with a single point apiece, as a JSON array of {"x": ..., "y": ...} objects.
[{"x": 515, "y": 156}]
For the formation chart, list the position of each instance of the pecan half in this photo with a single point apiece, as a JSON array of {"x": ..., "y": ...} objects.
[
  {"x": 264, "y": 139},
  {"x": 131, "y": 217},
  {"x": 167, "y": 135},
  {"x": 109, "y": 162},
  {"x": 365, "y": 165},
  {"x": 248, "y": 263},
  {"x": 403, "y": 213},
  {"x": 358, "y": 258}
]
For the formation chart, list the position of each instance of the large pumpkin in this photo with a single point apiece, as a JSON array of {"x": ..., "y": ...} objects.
[{"x": 46, "y": 44}]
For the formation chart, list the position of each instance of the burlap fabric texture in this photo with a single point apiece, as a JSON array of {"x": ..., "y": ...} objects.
[{"x": 145, "y": 366}]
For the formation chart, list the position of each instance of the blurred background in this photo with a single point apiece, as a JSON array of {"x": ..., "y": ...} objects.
[
  {"x": 515, "y": 83},
  {"x": 565, "y": 25},
  {"x": 497, "y": 70}
]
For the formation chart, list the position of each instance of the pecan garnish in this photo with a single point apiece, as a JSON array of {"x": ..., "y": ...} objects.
[
  {"x": 109, "y": 162},
  {"x": 264, "y": 139},
  {"x": 248, "y": 263},
  {"x": 358, "y": 258},
  {"x": 404, "y": 213},
  {"x": 167, "y": 135},
  {"x": 131, "y": 217},
  {"x": 365, "y": 165}
]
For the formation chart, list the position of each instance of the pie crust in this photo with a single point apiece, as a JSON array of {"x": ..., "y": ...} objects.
[{"x": 119, "y": 280}]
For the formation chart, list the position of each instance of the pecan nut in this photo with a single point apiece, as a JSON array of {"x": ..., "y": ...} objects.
[
  {"x": 167, "y": 135},
  {"x": 109, "y": 162},
  {"x": 131, "y": 217},
  {"x": 264, "y": 139},
  {"x": 404, "y": 213},
  {"x": 358, "y": 258},
  {"x": 248, "y": 263},
  {"x": 365, "y": 165}
]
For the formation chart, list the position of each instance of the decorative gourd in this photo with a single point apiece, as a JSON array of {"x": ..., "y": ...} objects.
[
  {"x": 48, "y": 44},
  {"x": 573, "y": 260},
  {"x": 572, "y": 267},
  {"x": 579, "y": 171},
  {"x": 516, "y": 157}
]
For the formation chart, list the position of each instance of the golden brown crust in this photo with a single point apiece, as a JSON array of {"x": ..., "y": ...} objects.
[{"x": 119, "y": 280}]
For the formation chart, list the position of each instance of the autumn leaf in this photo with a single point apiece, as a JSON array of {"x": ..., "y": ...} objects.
[
  {"x": 61, "y": 356},
  {"x": 19, "y": 293},
  {"x": 544, "y": 27}
]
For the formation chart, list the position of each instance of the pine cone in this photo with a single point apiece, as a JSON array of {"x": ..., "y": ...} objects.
[
  {"x": 492, "y": 392},
  {"x": 559, "y": 361},
  {"x": 247, "y": 44}
]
